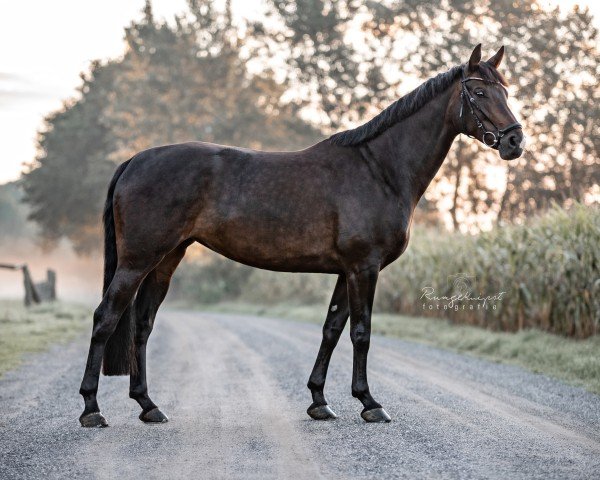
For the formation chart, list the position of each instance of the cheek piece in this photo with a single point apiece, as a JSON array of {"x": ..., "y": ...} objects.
[{"x": 489, "y": 137}]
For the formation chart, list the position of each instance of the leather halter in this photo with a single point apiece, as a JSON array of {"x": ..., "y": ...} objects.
[{"x": 489, "y": 138}]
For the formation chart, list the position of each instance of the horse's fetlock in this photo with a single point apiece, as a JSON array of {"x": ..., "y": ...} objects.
[
  {"x": 360, "y": 392},
  {"x": 315, "y": 386},
  {"x": 86, "y": 393},
  {"x": 136, "y": 394},
  {"x": 357, "y": 393}
]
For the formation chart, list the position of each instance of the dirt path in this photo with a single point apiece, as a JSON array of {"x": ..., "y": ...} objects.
[{"x": 234, "y": 389}]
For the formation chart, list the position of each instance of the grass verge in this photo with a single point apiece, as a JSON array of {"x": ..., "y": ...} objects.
[
  {"x": 574, "y": 361},
  {"x": 28, "y": 330}
]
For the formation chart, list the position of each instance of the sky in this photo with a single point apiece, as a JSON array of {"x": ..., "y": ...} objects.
[{"x": 44, "y": 45}]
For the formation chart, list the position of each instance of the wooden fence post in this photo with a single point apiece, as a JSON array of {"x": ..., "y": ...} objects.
[
  {"x": 35, "y": 293},
  {"x": 31, "y": 293},
  {"x": 51, "y": 276}
]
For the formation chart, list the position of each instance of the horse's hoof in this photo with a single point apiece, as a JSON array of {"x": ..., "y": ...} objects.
[
  {"x": 153, "y": 416},
  {"x": 321, "y": 412},
  {"x": 376, "y": 415},
  {"x": 94, "y": 419}
]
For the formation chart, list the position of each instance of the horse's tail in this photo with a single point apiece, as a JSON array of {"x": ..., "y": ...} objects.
[{"x": 119, "y": 352}]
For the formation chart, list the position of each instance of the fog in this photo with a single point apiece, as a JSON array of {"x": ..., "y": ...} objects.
[{"x": 79, "y": 279}]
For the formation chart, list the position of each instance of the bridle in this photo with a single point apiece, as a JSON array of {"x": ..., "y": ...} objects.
[{"x": 489, "y": 138}]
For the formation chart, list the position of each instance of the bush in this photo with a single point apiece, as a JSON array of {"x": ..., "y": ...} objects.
[
  {"x": 270, "y": 288},
  {"x": 212, "y": 279}
]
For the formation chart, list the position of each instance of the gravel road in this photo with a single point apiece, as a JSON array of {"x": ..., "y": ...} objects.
[{"x": 234, "y": 389}]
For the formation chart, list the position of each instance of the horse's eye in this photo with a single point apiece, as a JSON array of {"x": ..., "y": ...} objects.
[{"x": 480, "y": 93}]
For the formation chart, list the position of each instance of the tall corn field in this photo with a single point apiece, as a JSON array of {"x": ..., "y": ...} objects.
[
  {"x": 547, "y": 271},
  {"x": 544, "y": 275}
]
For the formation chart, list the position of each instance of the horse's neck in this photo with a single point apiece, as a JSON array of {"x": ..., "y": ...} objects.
[{"x": 412, "y": 150}]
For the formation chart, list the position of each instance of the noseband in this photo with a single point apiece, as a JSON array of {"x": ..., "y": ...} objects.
[{"x": 489, "y": 138}]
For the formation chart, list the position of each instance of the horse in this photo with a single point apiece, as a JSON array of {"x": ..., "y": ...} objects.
[{"x": 343, "y": 206}]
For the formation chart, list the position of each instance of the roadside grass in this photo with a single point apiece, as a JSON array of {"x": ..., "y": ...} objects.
[
  {"x": 29, "y": 330},
  {"x": 574, "y": 361}
]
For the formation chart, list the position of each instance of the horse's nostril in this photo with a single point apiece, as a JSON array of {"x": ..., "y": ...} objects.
[{"x": 513, "y": 141}]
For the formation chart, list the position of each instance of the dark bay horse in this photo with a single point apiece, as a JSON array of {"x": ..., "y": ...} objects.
[{"x": 343, "y": 206}]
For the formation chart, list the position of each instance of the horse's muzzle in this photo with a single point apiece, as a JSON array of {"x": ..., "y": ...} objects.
[{"x": 512, "y": 145}]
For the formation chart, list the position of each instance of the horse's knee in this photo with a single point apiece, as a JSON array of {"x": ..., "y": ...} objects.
[
  {"x": 331, "y": 335},
  {"x": 360, "y": 338}
]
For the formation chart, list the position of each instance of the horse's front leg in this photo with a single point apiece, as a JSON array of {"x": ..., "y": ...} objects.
[
  {"x": 361, "y": 291},
  {"x": 337, "y": 315}
]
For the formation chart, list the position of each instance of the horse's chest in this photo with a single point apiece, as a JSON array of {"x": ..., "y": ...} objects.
[
  {"x": 392, "y": 231},
  {"x": 394, "y": 242},
  {"x": 383, "y": 237}
]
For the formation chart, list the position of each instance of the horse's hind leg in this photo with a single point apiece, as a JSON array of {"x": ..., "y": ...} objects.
[
  {"x": 106, "y": 317},
  {"x": 337, "y": 316},
  {"x": 151, "y": 294}
]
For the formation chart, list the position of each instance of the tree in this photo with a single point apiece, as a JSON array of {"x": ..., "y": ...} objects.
[
  {"x": 13, "y": 214},
  {"x": 67, "y": 181},
  {"x": 558, "y": 67},
  {"x": 330, "y": 58},
  {"x": 553, "y": 62},
  {"x": 190, "y": 82},
  {"x": 174, "y": 83}
]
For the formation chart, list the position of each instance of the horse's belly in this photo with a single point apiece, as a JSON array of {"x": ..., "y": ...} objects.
[{"x": 275, "y": 245}]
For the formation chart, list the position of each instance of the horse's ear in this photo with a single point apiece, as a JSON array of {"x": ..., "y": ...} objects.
[
  {"x": 496, "y": 59},
  {"x": 475, "y": 57}
]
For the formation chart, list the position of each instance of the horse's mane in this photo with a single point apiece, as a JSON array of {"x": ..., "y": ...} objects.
[{"x": 407, "y": 105}]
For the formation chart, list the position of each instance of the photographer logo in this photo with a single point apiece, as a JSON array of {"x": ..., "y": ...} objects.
[{"x": 461, "y": 295}]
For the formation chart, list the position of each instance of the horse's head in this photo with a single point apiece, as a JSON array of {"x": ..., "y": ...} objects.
[{"x": 483, "y": 111}]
